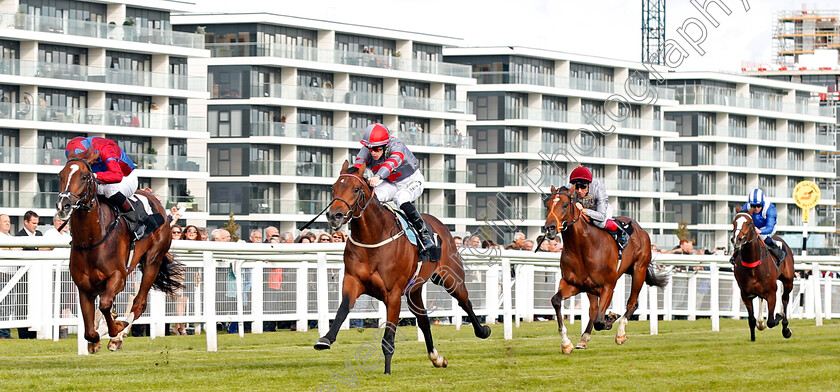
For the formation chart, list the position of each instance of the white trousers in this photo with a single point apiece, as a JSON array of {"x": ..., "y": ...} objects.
[
  {"x": 407, "y": 190},
  {"x": 127, "y": 186}
]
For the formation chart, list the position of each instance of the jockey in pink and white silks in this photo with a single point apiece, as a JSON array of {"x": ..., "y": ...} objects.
[{"x": 396, "y": 177}]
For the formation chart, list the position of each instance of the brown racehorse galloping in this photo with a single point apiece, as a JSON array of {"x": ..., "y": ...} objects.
[
  {"x": 100, "y": 249},
  {"x": 379, "y": 261},
  {"x": 590, "y": 264},
  {"x": 756, "y": 273}
]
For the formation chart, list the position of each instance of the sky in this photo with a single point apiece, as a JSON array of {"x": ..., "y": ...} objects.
[{"x": 605, "y": 28}]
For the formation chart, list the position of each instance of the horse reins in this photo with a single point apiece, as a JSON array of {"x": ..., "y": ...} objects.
[
  {"x": 764, "y": 251},
  {"x": 565, "y": 226},
  {"x": 87, "y": 207}
]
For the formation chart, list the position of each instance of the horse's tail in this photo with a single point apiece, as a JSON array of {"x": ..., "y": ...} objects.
[
  {"x": 657, "y": 277},
  {"x": 170, "y": 277}
]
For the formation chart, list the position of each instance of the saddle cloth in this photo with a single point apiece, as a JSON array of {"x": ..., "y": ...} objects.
[{"x": 411, "y": 234}]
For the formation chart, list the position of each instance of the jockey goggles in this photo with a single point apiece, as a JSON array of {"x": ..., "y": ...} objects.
[
  {"x": 755, "y": 205},
  {"x": 376, "y": 149},
  {"x": 581, "y": 184}
]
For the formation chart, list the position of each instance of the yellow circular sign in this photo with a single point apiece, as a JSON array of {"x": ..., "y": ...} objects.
[{"x": 806, "y": 194}]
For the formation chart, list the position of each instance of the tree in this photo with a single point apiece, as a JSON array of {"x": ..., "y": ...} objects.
[
  {"x": 682, "y": 231},
  {"x": 232, "y": 228}
]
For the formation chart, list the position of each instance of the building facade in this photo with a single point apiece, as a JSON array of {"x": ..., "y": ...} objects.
[
  {"x": 113, "y": 69},
  {"x": 291, "y": 97}
]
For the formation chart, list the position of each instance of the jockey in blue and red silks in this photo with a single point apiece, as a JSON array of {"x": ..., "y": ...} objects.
[
  {"x": 396, "y": 177},
  {"x": 115, "y": 172},
  {"x": 590, "y": 196}
]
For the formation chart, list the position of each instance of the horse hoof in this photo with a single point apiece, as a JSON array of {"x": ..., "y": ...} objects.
[
  {"x": 93, "y": 348},
  {"x": 568, "y": 349},
  {"x": 115, "y": 344},
  {"x": 323, "y": 344},
  {"x": 582, "y": 345},
  {"x": 787, "y": 333},
  {"x": 620, "y": 339},
  {"x": 440, "y": 362},
  {"x": 484, "y": 333},
  {"x": 761, "y": 325}
]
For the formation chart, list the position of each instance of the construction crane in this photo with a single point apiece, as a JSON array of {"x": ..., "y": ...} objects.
[{"x": 653, "y": 31}]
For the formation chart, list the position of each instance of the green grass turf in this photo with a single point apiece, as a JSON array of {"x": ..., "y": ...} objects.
[{"x": 685, "y": 356}]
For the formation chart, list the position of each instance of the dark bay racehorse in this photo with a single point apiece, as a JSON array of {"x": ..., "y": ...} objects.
[
  {"x": 590, "y": 264},
  {"x": 379, "y": 261},
  {"x": 100, "y": 249},
  {"x": 756, "y": 273}
]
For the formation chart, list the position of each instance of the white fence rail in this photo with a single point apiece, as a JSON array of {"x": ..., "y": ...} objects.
[{"x": 239, "y": 282}]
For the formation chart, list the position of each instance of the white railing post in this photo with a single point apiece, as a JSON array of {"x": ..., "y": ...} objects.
[
  {"x": 714, "y": 300},
  {"x": 584, "y": 312},
  {"x": 692, "y": 296},
  {"x": 492, "y": 287},
  {"x": 815, "y": 274},
  {"x": 323, "y": 295},
  {"x": 346, "y": 324},
  {"x": 668, "y": 300},
  {"x": 302, "y": 296},
  {"x": 643, "y": 310},
  {"x": 209, "y": 283},
  {"x": 528, "y": 272},
  {"x": 653, "y": 302},
  {"x": 736, "y": 300},
  {"x": 157, "y": 313},
  {"x": 828, "y": 286},
  {"x": 56, "y": 308},
  {"x": 81, "y": 342},
  {"x": 619, "y": 300},
  {"x": 424, "y": 295},
  {"x": 506, "y": 288},
  {"x": 257, "y": 297},
  {"x": 35, "y": 298},
  {"x": 237, "y": 275}
]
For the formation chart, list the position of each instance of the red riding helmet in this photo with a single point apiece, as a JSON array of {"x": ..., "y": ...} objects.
[
  {"x": 581, "y": 173},
  {"x": 376, "y": 135}
]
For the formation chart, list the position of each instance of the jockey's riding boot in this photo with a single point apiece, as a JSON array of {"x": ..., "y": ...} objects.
[
  {"x": 776, "y": 250},
  {"x": 426, "y": 241},
  {"x": 130, "y": 215},
  {"x": 732, "y": 259},
  {"x": 621, "y": 238}
]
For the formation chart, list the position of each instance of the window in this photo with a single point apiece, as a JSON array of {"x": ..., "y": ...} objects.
[
  {"x": 737, "y": 184},
  {"x": 591, "y": 77},
  {"x": 554, "y": 108},
  {"x": 796, "y": 131},
  {"x": 488, "y": 140},
  {"x": 314, "y": 162},
  {"x": 65, "y": 9},
  {"x": 359, "y": 44},
  {"x": 796, "y": 159},
  {"x": 414, "y": 95},
  {"x": 64, "y": 61},
  {"x": 313, "y": 198},
  {"x": 629, "y": 147},
  {"x": 129, "y": 110},
  {"x": 360, "y": 121},
  {"x": 178, "y": 70},
  {"x": 515, "y": 138},
  {"x": 129, "y": 68},
  {"x": 628, "y": 178},
  {"x": 768, "y": 185},
  {"x": 136, "y": 147},
  {"x": 365, "y": 91},
  {"x": 767, "y": 128},
  {"x": 515, "y": 105},
  {"x": 706, "y": 183},
  {"x": 414, "y": 130},
  {"x": 227, "y": 121},
  {"x": 488, "y": 106},
  {"x": 227, "y": 197},
  {"x": 149, "y": 19},
  {"x": 705, "y": 154},
  {"x": 737, "y": 155},
  {"x": 594, "y": 108},
  {"x": 628, "y": 207},
  {"x": 229, "y": 82},
  {"x": 552, "y": 139},
  {"x": 767, "y": 157},
  {"x": 431, "y": 53},
  {"x": 315, "y": 124},
  {"x": 228, "y": 160},
  {"x": 487, "y": 173}
]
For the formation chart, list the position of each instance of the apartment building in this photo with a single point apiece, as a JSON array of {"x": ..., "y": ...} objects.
[
  {"x": 291, "y": 97},
  {"x": 530, "y": 107},
  {"x": 737, "y": 133},
  {"x": 114, "y": 69}
]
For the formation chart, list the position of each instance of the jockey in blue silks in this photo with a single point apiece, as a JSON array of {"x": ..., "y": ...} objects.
[{"x": 764, "y": 216}]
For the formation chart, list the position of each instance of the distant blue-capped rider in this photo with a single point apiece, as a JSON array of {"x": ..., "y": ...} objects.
[{"x": 764, "y": 218}]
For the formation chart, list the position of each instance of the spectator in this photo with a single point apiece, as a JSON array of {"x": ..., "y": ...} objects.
[
  {"x": 5, "y": 272},
  {"x": 528, "y": 245},
  {"x": 269, "y": 232},
  {"x": 272, "y": 294},
  {"x": 256, "y": 237},
  {"x": 545, "y": 245},
  {"x": 458, "y": 241},
  {"x": 338, "y": 236},
  {"x": 190, "y": 233},
  {"x": 488, "y": 244},
  {"x": 203, "y": 233},
  {"x": 654, "y": 249},
  {"x": 686, "y": 248},
  {"x": 174, "y": 214},
  {"x": 286, "y": 238},
  {"x": 53, "y": 232},
  {"x": 518, "y": 240},
  {"x": 324, "y": 238},
  {"x": 30, "y": 227},
  {"x": 475, "y": 241},
  {"x": 557, "y": 246},
  {"x": 306, "y": 237},
  {"x": 176, "y": 232},
  {"x": 220, "y": 235}
]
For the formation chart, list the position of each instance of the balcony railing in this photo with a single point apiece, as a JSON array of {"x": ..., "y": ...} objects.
[
  {"x": 536, "y": 79},
  {"x": 299, "y": 52},
  {"x": 101, "y": 30},
  {"x": 102, "y": 75},
  {"x": 290, "y": 168},
  {"x": 456, "y": 176},
  {"x": 28, "y": 199},
  {"x": 754, "y": 134},
  {"x": 563, "y": 116},
  {"x": 346, "y": 134},
  {"x": 74, "y": 115},
  {"x": 190, "y": 203},
  {"x": 333, "y": 95},
  {"x": 168, "y": 162},
  {"x": 701, "y": 97}
]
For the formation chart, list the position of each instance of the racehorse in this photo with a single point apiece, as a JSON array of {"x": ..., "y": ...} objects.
[
  {"x": 590, "y": 263},
  {"x": 100, "y": 249},
  {"x": 379, "y": 261},
  {"x": 756, "y": 273}
]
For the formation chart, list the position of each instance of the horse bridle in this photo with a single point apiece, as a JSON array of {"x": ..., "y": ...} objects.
[
  {"x": 89, "y": 190},
  {"x": 752, "y": 237},
  {"x": 352, "y": 215},
  {"x": 566, "y": 224}
]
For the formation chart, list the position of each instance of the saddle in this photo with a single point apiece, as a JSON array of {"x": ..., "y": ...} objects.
[
  {"x": 146, "y": 215},
  {"x": 778, "y": 252},
  {"x": 411, "y": 234}
]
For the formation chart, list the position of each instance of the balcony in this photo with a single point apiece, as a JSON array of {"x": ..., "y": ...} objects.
[
  {"x": 455, "y": 176},
  {"x": 447, "y": 211},
  {"x": 753, "y": 134},
  {"x": 167, "y": 162},
  {"x": 102, "y": 75},
  {"x": 701, "y": 97},
  {"x": 643, "y": 216},
  {"x": 28, "y": 199},
  {"x": 346, "y": 134},
  {"x": 613, "y": 184},
  {"x": 563, "y": 116},
  {"x": 116, "y": 32},
  {"x": 308, "y": 53},
  {"x": 75, "y": 115},
  {"x": 289, "y": 168},
  {"x": 190, "y": 203},
  {"x": 332, "y": 95},
  {"x": 544, "y": 80}
]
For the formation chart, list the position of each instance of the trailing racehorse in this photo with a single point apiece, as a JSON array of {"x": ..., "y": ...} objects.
[
  {"x": 756, "y": 272},
  {"x": 590, "y": 263},
  {"x": 101, "y": 246},
  {"x": 381, "y": 262}
]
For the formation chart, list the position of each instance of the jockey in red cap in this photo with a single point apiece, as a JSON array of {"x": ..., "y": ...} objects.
[
  {"x": 396, "y": 177},
  {"x": 115, "y": 172},
  {"x": 591, "y": 198}
]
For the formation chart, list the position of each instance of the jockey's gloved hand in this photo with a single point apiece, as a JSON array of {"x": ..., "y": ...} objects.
[{"x": 374, "y": 181}]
